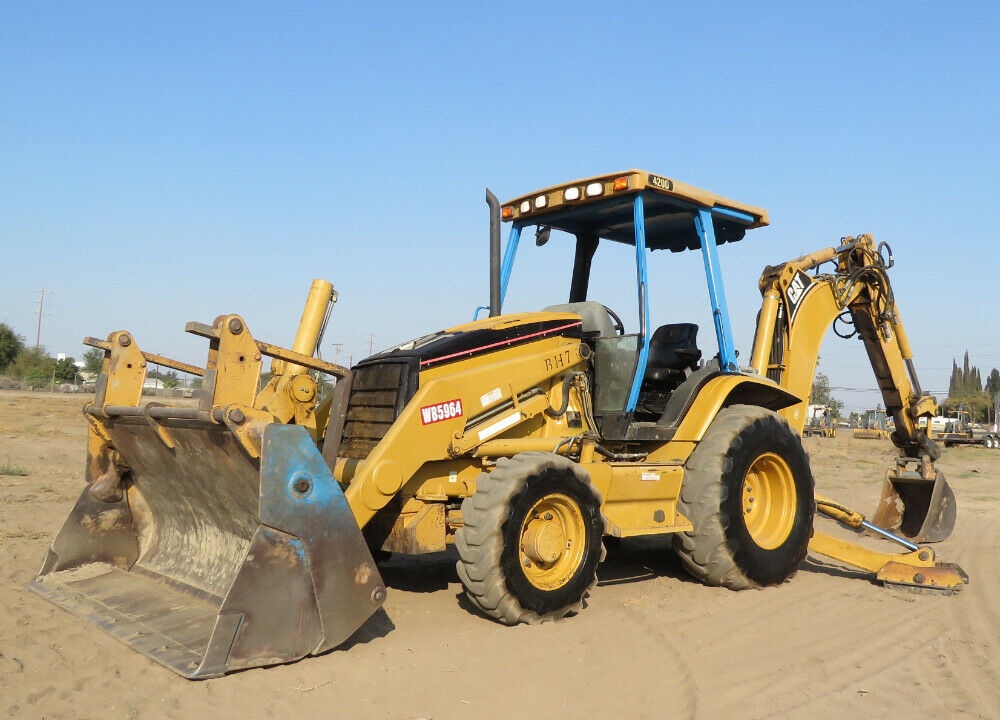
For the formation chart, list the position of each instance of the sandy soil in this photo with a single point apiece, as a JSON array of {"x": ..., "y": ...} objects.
[{"x": 651, "y": 643}]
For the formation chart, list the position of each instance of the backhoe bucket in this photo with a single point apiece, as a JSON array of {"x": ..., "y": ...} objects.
[
  {"x": 918, "y": 506},
  {"x": 214, "y": 561}
]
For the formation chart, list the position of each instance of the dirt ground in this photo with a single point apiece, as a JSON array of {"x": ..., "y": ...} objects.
[{"x": 651, "y": 643}]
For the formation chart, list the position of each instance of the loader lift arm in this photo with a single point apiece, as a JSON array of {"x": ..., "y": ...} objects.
[{"x": 796, "y": 311}]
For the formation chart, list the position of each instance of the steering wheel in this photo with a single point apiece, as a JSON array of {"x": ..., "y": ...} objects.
[{"x": 619, "y": 325}]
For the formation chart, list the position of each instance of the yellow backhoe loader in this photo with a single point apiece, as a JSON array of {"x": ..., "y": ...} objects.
[
  {"x": 240, "y": 532},
  {"x": 872, "y": 425}
]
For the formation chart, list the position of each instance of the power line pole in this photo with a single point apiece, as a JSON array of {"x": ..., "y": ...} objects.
[
  {"x": 337, "y": 347},
  {"x": 38, "y": 331},
  {"x": 371, "y": 342}
]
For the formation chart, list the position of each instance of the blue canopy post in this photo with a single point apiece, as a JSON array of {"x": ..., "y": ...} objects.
[
  {"x": 639, "y": 216},
  {"x": 716, "y": 289}
]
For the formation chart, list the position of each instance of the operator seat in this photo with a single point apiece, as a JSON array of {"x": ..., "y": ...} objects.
[
  {"x": 673, "y": 349},
  {"x": 596, "y": 321}
]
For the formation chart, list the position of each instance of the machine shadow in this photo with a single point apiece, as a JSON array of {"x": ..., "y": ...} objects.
[
  {"x": 420, "y": 573},
  {"x": 628, "y": 560},
  {"x": 637, "y": 559}
]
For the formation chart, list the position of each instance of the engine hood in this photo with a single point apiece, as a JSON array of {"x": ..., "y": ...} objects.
[{"x": 481, "y": 337}]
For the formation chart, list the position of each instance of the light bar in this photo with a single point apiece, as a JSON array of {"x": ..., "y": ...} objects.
[
  {"x": 595, "y": 189},
  {"x": 541, "y": 201},
  {"x": 571, "y": 193}
]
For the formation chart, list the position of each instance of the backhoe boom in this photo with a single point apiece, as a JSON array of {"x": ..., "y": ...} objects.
[{"x": 796, "y": 312}]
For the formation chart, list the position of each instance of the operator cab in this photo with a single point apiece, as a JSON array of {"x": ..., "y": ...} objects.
[{"x": 644, "y": 380}]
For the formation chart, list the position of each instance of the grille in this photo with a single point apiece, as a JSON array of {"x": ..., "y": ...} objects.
[{"x": 376, "y": 398}]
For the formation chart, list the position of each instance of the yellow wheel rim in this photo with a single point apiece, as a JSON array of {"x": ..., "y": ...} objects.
[
  {"x": 552, "y": 541},
  {"x": 769, "y": 501}
]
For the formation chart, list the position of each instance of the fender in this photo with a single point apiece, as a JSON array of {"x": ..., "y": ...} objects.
[{"x": 725, "y": 390}]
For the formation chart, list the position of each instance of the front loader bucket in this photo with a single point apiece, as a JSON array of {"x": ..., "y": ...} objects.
[
  {"x": 214, "y": 561},
  {"x": 917, "y": 506}
]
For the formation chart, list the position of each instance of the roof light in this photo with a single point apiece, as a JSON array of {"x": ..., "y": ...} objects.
[
  {"x": 507, "y": 212},
  {"x": 525, "y": 206},
  {"x": 541, "y": 201},
  {"x": 595, "y": 189},
  {"x": 621, "y": 183},
  {"x": 571, "y": 193}
]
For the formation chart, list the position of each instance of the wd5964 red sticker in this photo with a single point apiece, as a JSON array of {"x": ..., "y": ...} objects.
[{"x": 442, "y": 411}]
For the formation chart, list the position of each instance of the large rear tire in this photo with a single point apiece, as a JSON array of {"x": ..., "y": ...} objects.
[
  {"x": 531, "y": 539},
  {"x": 748, "y": 491}
]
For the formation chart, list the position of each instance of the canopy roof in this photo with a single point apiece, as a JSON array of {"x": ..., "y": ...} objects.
[{"x": 603, "y": 206}]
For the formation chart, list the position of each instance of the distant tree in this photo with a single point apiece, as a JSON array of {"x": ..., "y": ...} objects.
[
  {"x": 993, "y": 388},
  {"x": 11, "y": 345},
  {"x": 169, "y": 378},
  {"x": 821, "y": 395},
  {"x": 33, "y": 366},
  {"x": 993, "y": 382},
  {"x": 64, "y": 370},
  {"x": 965, "y": 390},
  {"x": 955, "y": 381},
  {"x": 93, "y": 359}
]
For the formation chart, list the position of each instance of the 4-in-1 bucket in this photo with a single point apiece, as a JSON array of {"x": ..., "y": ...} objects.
[{"x": 212, "y": 560}]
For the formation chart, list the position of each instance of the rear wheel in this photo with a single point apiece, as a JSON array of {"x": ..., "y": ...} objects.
[
  {"x": 748, "y": 491},
  {"x": 531, "y": 539}
]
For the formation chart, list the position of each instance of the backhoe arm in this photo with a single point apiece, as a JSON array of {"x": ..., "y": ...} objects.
[{"x": 796, "y": 311}]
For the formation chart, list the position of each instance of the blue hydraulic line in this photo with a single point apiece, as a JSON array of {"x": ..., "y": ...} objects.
[
  {"x": 640, "y": 271},
  {"x": 890, "y": 536},
  {"x": 716, "y": 290},
  {"x": 508, "y": 260}
]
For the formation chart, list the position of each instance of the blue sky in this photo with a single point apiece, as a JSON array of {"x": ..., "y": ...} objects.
[{"x": 167, "y": 163}]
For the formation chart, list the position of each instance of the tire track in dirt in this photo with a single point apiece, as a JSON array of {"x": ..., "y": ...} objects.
[
  {"x": 973, "y": 646},
  {"x": 791, "y": 656}
]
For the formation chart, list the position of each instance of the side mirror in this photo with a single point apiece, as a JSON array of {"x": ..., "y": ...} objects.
[{"x": 542, "y": 233}]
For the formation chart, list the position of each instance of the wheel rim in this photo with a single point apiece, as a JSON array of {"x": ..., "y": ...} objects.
[
  {"x": 552, "y": 541},
  {"x": 769, "y": 501}
]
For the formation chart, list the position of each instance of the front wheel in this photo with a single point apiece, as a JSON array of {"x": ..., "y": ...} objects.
[
  {"x": 748, "y": 491},
  {"x": 531, "y": 539}
]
